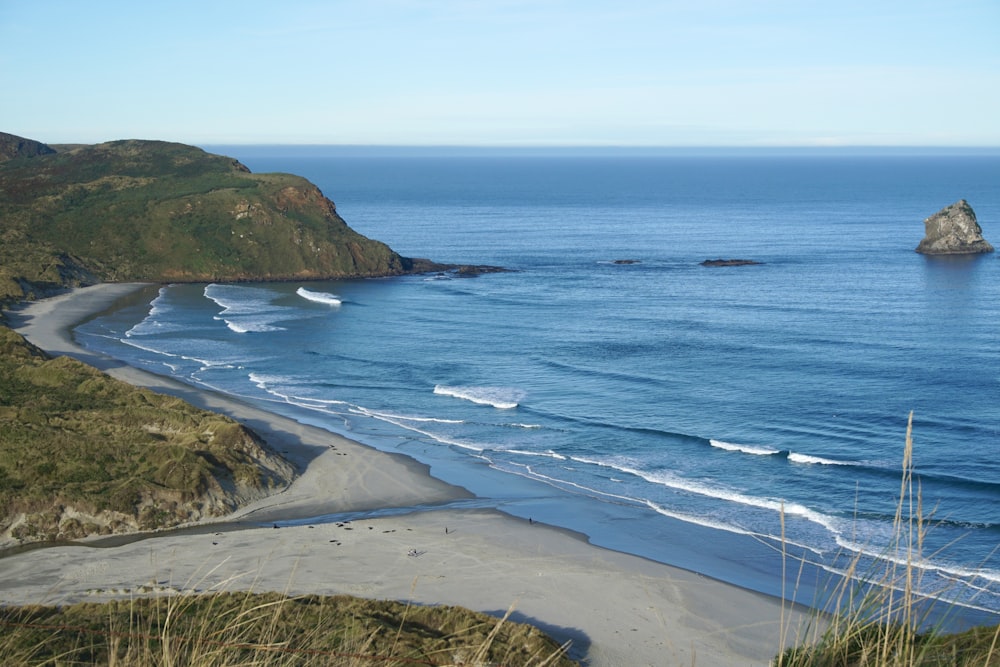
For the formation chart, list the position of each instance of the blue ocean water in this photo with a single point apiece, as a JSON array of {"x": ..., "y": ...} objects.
[{"x": 660, "y": 407}]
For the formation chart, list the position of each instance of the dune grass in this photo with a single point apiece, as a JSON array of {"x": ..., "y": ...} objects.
[
  {"x": 82, "y": 453},
  {"x": 267, "y": 629},
  {"x": 880, "y": 619}
]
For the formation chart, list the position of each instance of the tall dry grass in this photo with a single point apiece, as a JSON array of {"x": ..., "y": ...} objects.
[
  {"x": 879, "y": 618},
  {"x": 267, "y": 630}
]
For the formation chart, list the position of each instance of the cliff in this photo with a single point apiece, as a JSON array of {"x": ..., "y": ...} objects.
[
  {"x": 165, "y": 212},
  {"x": 953, "y": 231}
]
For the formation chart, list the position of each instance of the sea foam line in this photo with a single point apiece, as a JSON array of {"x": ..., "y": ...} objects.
[
  {"x": 319, "y": 297},
  {"x": 401, "y": 423},
  {"x": 563, "y": 483},
  {"x": 746, "y": 449},
  {"x": 672, "y": 482},
  {"x": 546, "y": 454},
  {"x": 156, "y": 308},
  {"x": 239, "y": 326},
  {"x": 503, "y": 398},
  {"x": 814, "y": 460},
  {"x": 904, "y": 560},
  {"x": 243, "y": 307}
]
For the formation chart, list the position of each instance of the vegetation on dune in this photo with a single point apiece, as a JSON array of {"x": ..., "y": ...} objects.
[
  {"x": 165, "y": 212},
  {"x": 267, "y": 629},
  {"x": 881, "y": 618},
  {"x": 82, "y": 453}
]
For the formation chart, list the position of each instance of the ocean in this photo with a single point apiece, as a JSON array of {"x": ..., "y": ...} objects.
[{"x": 736, "y": 421}]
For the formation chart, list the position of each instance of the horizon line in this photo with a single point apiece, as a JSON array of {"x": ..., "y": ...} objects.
[{"x": 446, "y": 149}]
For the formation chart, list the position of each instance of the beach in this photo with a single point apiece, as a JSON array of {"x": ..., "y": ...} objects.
[{"x": 400, "y": 534}]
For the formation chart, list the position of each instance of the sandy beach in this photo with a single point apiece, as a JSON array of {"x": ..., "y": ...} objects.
[{"x": 412, "y": 538}]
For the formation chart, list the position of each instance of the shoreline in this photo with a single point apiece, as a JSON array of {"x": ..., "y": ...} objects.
[{"x": 615, "y": 607}]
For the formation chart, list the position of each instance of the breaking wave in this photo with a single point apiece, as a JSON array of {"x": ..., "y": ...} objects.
[
  {"x": 318, "y": 297},
  {"x": 503, "y": 398}
]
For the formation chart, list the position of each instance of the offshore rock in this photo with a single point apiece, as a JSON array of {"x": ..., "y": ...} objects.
[
  {"x": 953, "y": 231},
  {"x": 730, "y": 262}
]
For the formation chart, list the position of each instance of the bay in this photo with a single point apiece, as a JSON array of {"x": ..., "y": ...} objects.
[{"x": 611, "y": 384}]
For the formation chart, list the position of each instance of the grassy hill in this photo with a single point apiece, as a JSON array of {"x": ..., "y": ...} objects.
[
  {"x": 164, "y": 212},
  {"x": 82, "y": 453}
]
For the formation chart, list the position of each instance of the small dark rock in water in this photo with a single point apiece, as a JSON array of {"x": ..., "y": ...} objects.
[
  {"x": 953, "y": 231},
  {"x": 626, "y": 261},
  {"x": 444, "y": 270},
  {"x": 729, "y": 262},
  {"x": 478, "y": 269}
]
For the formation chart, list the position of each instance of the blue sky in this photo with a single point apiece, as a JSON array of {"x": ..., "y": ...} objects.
[{"x": 504, "y": 72}]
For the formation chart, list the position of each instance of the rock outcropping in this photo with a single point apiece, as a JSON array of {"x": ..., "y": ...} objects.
[{"x": 953, "y": 231}]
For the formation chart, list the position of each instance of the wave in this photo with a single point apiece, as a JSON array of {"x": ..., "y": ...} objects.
[
  {"x": 409, "y": 418},
  {"x": 157, "y": 352},
  {"x": 318, "y": 297},
  {"x": 546, "y": 454},
  {"x": 556, "y": 482},
  {"x": 249, "y": 326},
  {"x": 868, "y": 467},
  {"x": 697, "y": 520},
  {"x": 266, "y": 384},
  {"x": 245, "y": 309},
  {"x": 503, "y": 398},
  {"x": 155, "y": 320},
  {"x": 746, "y": 449},
  {"x": 816, "y": 460},
  {"x": 906, "y": 559},
  {"x": 794, "y": 457},
  {"x": 405, "y": 423},
  {"x": 671, "y": 481}
]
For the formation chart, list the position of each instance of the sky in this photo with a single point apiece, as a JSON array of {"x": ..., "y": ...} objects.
[{"x": 504, "y": 72}]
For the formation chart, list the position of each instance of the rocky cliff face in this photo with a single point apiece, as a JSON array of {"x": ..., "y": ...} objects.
[{"x": 953, "y": 231}]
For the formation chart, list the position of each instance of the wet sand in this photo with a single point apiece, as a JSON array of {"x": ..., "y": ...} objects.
[{"x": 413, "y": 541}]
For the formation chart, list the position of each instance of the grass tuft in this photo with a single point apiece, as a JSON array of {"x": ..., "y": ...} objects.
[
  {"x": 267, "y": 629},
  {"x": 880, "y": 619}
]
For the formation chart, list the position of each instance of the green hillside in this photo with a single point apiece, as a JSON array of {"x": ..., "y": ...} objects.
[
  {"x": 82, "y": 453},
  {"x": 165, "y": 212}
]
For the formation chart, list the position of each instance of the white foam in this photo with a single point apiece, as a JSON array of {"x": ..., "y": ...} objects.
[
  {"x": 697, "y": 520},
  {"x": 412, "y": 418},
  {"x": 249, "y": 326},
  {"x": 503, "y": 398},
  {"x": 146, "y": 348},
  {"x": 814, "y": 460},
  {"x": 903, "y": 560},
  {"x": 746, "y": 449},
  {"x": 318, "y": 297},
  {"x": 546, "y": 454},
  {"x": 721, "y": 493},
  {"x": 563, "y": 483},
  {"x": 153, "y": 320},
  {"x": 245, "y": 309}
]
